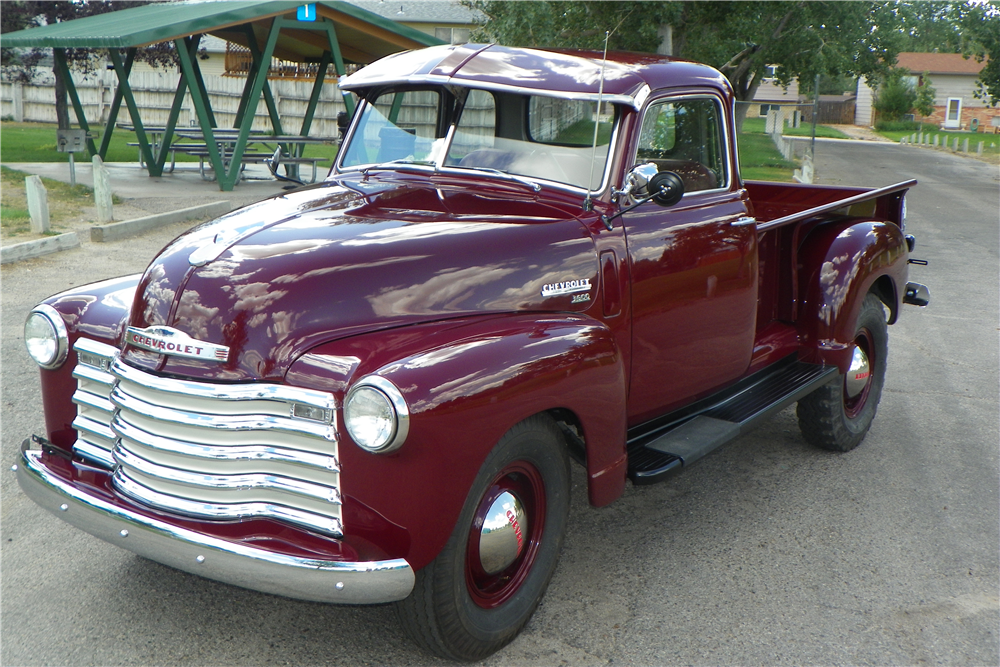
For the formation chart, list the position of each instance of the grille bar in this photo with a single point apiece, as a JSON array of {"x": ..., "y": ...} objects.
[{"x": 206, "y": 450}]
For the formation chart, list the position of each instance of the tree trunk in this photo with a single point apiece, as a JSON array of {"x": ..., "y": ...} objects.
[{"x": 62, "y": 107}]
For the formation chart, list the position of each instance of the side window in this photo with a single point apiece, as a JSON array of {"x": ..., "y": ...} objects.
[{"x": 685, "y": 136}]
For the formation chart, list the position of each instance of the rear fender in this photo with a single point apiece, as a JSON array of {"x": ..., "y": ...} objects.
[
  {"x": 841, "y": 262},
  {"x": 466, "y": 383}
]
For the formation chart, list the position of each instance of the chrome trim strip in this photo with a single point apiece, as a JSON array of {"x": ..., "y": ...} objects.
[
  {"x": 227, "y": 511},
  {"x": 225, "y": 392},
  {"x": 94, "y": 453},
  {"x": 231, "y": 423},
  {"x": 314, "y": 579},
  {"x": 96, "y": 348},
  {"x": 237, "y": 482},
  {"x": 226, "y": 453},
  {"x": 94, "y": 428},
  {"x": 95, "y": 401},
  {"x": 91, "y": 374}
]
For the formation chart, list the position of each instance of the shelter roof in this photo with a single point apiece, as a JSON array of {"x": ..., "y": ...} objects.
[
  {"x": 362, "y": 35},
  {"x": 939, "y": 63}
]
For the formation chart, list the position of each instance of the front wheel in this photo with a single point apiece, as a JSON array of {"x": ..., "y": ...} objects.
[
  {"x": 837, "y": 416},
  {"x": 482, "y": 588}
]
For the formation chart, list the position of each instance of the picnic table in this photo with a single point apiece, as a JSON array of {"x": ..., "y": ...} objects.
[{"x": 191, "y": 141}]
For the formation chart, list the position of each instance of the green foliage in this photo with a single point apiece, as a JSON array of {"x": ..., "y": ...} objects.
[
  {"x": 895, "y": 97},
  {"x": 982, "y": 24},
  {"x": 924, "y": 102},
  {"x": 896, "y": 125},
  {"x": 740, "y": 38}
]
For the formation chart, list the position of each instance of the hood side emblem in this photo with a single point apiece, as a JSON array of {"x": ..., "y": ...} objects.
[
  {"x": 568, "y": 287},
  {"x": 167, "y": 340}
]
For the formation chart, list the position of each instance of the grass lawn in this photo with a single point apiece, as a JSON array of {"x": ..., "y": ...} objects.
[
  {"x": 991, "y": 142},
  {"x": 36, "y": 142},
  {"x": 758, "y": 125},
  {"x": 65, "y": 202},
  {"x": 761, "y": 161}
]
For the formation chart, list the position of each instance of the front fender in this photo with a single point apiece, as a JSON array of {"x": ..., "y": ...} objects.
[
  {"x": 97, "y": 311},
  {"x": 466, "y": 383},
  {"x": 841, "y": 261}
]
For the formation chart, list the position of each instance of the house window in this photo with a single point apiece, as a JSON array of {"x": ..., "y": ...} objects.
[
  {"x": 453, "y": 35},
  {"x": 765, "y": 108},
  {"x": 770, "y": 71}
]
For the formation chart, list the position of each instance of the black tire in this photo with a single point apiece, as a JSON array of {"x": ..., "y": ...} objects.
[
  {"x": 456, "y": 610},
  {"x": 829, "y": 417}
]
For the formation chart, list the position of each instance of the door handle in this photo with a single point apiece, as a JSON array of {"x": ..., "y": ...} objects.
[{"x": 745, "y": 221}]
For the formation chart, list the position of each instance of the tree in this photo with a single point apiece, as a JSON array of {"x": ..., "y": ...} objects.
[
  {"x": 802, "y": 39},
  {"x": 982, "y": 23},
  {"x": 895, "y": 97},
  {"x": 924, "y": 101},
  {"x": 21, "y": 65}
]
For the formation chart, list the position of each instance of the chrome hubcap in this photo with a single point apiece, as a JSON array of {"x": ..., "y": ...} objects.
[
  {"x": 857, "y": 376},
  {"x": 504, "y": 533}
]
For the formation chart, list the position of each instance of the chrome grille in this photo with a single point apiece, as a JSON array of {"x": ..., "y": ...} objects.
[{"x": 213, "y": 451}]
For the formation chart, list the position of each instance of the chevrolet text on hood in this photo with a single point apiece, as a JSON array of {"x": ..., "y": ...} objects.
[{"x": 371, "y": 389}]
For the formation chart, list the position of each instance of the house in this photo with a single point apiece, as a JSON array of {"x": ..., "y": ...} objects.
[
  {"x": 954, "y": 79},
  {"x": 448, "y": 21}
]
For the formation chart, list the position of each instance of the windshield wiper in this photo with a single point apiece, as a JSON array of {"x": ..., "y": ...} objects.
[{"x": 510, "y": 177}]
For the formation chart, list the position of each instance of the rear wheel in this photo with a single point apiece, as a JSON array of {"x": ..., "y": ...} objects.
[
  {"x": 837, "y": 416},
  {"x": 487, "y": 581}
]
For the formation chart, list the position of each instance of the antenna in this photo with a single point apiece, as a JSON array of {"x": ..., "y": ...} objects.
[{"x": 588, "y": 203}]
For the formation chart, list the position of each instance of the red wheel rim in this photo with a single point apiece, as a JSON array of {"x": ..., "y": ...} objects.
[
  {"x": 854, "y": 406},
  {"x": 522, "y": 480}
]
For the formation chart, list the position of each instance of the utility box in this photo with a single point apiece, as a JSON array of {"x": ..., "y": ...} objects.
[{"x": 71, "y": 141}]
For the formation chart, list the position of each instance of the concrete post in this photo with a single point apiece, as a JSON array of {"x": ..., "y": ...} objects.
[
  {"x": 38, "y": 204},
  {"x": 102, "y": 190},
  {"x": 936, "y": 137},
  {"x": 979, "y": 149},
  {"x": 921, "y": 139},
  {"x": 956, "y": 144},
  {"x": 18, "y": 102},
  {"x": 965, "y": 145}
]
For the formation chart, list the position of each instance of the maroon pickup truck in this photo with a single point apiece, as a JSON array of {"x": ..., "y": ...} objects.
[{"x": 371, "y": 389}]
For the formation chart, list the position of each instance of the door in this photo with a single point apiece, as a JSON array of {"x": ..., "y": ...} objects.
[
  {"x": 953, "y": 115},
  {"x": 693, "y": 265}
]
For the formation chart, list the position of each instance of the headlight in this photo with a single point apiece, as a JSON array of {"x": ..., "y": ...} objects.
[
  {"x": 376, "y": 415},
  {"x": 46, "y": 337}
]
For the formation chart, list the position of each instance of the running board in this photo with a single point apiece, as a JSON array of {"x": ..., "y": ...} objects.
[{"x": 654, "y": 457}]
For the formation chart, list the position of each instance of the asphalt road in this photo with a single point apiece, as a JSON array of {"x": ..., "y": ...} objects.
[{"x": 767, "y": 552}]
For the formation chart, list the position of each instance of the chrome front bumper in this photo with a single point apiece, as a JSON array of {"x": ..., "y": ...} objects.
[{"x": 238, "y": 564}]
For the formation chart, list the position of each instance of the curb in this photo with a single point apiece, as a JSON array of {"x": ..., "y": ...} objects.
[
  {"x": 37, "y": 248},
  {"x": 122, "y": 230}
]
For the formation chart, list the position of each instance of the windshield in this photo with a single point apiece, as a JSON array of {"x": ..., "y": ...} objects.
[{"x": 532, "y": 136}]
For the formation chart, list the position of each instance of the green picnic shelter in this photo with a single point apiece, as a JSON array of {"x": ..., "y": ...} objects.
[{"x": 331, "y": 32}]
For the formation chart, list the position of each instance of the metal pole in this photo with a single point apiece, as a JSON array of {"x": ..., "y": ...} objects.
[
  {"x": 72, "y": 171},
  {"x": 815, "y": 119}
]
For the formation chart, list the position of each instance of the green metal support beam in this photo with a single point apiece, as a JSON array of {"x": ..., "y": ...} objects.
[
  {"x": 59, "y": 55},
  {"x": 202, "y": 108},
  {"x": 257, "y": 64},
  {"x": 116, "y": 104},
  {"x": 133, "y": 109}
]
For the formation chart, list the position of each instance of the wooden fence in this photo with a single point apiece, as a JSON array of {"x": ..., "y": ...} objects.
[{"x": 154, "y": 93}]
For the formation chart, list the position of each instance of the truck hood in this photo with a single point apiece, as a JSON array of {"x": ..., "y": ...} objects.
[{"x": 274, "y": 279}]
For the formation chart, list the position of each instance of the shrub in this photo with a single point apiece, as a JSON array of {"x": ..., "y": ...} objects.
[
  {"x": 895, "y": 97},
  {"x": 896, "y": 125}
]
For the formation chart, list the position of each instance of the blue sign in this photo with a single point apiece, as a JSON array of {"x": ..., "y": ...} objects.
[{"x": 307, "y": 13}]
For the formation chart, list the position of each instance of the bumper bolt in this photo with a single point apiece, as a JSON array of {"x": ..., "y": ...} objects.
[
  {"x": 123, "y": 533},
  {"x": 63, "y": 507},
  {"x": 200, "y": 559}
]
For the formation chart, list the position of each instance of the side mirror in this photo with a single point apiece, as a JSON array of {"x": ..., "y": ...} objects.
[
  {"x": 646, "y": 181},
  {"x": 666, "y": 188},
  {"x": 274, "y": 162}
]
